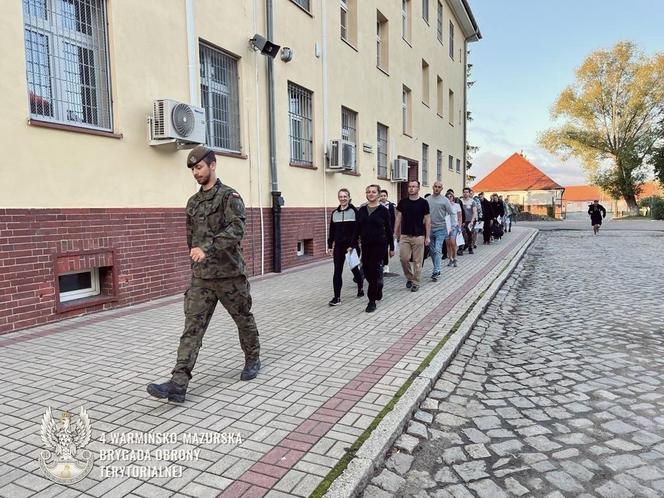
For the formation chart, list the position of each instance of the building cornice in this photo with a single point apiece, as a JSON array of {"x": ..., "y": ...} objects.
[{"x": 466, "y": 19}]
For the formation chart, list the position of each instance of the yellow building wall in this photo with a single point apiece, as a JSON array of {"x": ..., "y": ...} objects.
[{"x": 148, "y": 60}]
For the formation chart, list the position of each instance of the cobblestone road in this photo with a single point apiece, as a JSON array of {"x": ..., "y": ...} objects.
[{"x": 559, "y": 390}]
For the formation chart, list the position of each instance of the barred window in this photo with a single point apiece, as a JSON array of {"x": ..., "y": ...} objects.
[
  {"x": 439, "y": 23},
  {"x": 300, "y": 124},
  {"x": 451, "y": 40},
  {"x": 425, "y": 164},
  {"x": 439, "y": 165},
  {"x": 458, "y": 165},
  {"x": 220, "y": 99},
  {"x": 450, "y": 163},
  {"x": 349, "y": 130},
  {"x": 381, "y": 156},
  {"x": 305, "y": 4},
  {"x": 66, "y": 55}
]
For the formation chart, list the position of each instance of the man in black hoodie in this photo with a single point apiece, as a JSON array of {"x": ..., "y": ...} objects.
[
  {"x": 343, "y": 226},
  {"x": 487, "y": 216}
]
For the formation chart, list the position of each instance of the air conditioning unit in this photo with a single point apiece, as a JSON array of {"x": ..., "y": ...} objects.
[
  {"x": 400, "y": 170},
  {"x": 341, "y": 155},
  {"x": 172, "y": 120}
]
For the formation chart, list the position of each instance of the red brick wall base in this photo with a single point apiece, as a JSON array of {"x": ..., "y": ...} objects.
[{"x": 143, "y": 253}]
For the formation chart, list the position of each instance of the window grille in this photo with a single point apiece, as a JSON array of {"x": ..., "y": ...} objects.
[
  {"x": 220, "y": 99},
  {"x": 300, "y": 124},
  {"x": 425, "y": 164},
  {"x": 451, "y": 40},
  {"x": 349, "y": 129},
  {"x": 381, "y": 156},
  {"x": 305, "y": 4},
  {"x": 66, "y": 57}
]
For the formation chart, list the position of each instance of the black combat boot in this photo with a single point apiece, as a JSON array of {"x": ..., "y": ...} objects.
[
  {"x": 251, "y": 368},
  {"x": 170, "y": 390}
]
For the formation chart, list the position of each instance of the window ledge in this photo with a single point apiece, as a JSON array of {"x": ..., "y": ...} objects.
[
  {"x": 225, "y": 153},
  {"x": 350, "y": 44},
  {"x": 351, "y": 173},
  {"x": 303, "y": 166},
  {"x": 75, "y": 129},
  {"x": 426, "y": 104},
  {"x": 407, "y": 42},
  {"x": 408, "y": 134},
  {"x": 382, "y": 70},
  {"x": 440, "y": 115},
  {"x": 302, "y": 8},
  {"x": 382, "y": 178},
  {"x": 85, "y": 302}
]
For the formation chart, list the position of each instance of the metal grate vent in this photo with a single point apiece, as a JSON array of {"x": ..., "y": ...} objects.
[{"x": 158, "y": 122}]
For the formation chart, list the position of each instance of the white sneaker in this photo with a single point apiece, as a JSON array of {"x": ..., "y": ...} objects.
[{"x": 386, "y": 269}]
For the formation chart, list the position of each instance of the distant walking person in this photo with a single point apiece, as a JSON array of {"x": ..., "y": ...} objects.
[
  {"x": 469, "y": 217},
  {"x": 597, "y": 213},
  {"x": 455, "y": 229},
  {"x": 413, "y": 231},
  {"x": 487, "y": 217},
  {"x": 375, "y": 234},
  {"x": 343, "y": 223}
]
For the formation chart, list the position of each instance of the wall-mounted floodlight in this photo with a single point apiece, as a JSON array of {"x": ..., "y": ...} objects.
[{"x": 265, "y": 47}]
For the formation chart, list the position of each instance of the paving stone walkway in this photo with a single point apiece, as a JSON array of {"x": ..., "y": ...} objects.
[
  {"x": 559, "y": 390},
  {"x": 327, "y": 372}
]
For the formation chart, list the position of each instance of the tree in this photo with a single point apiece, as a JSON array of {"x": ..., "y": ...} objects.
[{"x": 612, "y": 118}]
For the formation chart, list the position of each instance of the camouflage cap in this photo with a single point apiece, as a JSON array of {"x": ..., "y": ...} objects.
[{"x": 197, "y": 154}]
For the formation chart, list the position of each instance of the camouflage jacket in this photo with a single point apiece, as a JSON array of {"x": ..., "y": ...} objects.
[{"x": 215, "y": 223}]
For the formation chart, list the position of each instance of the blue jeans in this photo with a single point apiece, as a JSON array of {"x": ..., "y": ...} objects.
[{"x": 436, "y": 247}]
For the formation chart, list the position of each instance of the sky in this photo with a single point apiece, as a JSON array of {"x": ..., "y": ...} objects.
[{"x": 529, "y": 52}]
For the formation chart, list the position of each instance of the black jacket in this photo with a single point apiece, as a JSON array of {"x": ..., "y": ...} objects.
[
  {"x": 374, "y": 228},
  {"x": 596, "y": 213},
  {"x": 343, "y": 225},
  {"x": 497, "y": 209},
  {"x": 487, "y": 210}
]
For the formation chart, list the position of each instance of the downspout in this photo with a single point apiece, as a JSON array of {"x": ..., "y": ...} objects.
[
  {"x": 325, "y": 111},
  {"x": 276, "y": 194},
  {"x": 191, "y": 53},
  {"x": 259, "y": 147}
]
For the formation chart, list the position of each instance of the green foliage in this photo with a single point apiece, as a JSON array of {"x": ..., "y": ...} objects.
[
  {"x": 612, "y": 118},
  {"x": 657, "y": 210}
]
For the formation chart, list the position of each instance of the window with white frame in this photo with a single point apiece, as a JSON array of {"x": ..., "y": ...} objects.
[
  {"x": 78, "y": 285},
  {"x": 405, "y": 20},
  {"x": 450, "y": 163},
  {"x": 349, "y": 131},
  {"x": 425, "y": 82},
  {"x": 406, "y": 108},
  {"x": 66, "y": 58},
  {"x": 458, "y": 165},
  {"x": 450, "y": 106},
  {"x": 382, "y": 42},
  {"x": 344, "y": 19},
  {"x": 439, "y": 22},
  {"x": 451, "y": 42},
  {"x": 425, "y": 164},
  {"x": 220, "y": 98},
  {"x": 439, "y": 165},
  {"x": 381, "y": 150},
  {"x": 425, "y": 11},
  {"x": 300, "y": 125}
]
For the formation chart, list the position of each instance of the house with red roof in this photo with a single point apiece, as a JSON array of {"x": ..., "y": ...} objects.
[
  {"x": 522, "y": 183},
  {"x": 577, "y": 197}
]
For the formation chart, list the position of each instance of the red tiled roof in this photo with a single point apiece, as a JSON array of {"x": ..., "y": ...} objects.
[
  {"x": 593, "y": 192},
  {"x": 515, "y": 173}
]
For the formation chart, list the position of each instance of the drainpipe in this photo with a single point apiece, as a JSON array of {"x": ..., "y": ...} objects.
[
  {"x": 276, "y": 194},
  {"x": 325, "y": 110},
  {"x": 191, "y": 52}
]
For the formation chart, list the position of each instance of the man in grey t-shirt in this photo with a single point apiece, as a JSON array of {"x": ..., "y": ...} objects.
[{"x": 440, "y": 207}]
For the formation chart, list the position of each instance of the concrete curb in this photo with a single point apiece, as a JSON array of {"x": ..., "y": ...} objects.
[{"x": 360, "y": 470}]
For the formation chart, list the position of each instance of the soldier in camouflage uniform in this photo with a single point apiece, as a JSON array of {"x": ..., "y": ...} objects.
[{"x": 215, "y": 227}]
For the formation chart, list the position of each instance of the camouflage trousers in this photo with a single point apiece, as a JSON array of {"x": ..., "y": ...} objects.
[{"x": 200, "y": 301}]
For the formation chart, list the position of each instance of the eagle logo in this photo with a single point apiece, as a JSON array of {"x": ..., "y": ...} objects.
[{"x": 65, "y": 461}]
